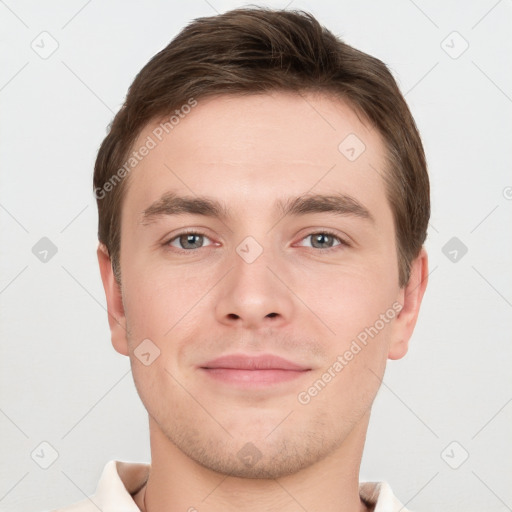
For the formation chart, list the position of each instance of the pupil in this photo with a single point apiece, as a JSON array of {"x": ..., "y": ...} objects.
[
  {"x": 322, "y": 238},
  {"x": 189, "y": 239}
]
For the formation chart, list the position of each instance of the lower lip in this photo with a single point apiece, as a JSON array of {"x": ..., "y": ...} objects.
[{"x": 253, "y": 377}]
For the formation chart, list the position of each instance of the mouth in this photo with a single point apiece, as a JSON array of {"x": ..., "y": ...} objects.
[{"x": 246, "y": 371}]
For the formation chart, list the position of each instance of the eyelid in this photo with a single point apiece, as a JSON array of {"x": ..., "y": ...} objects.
[
  {"x": 342, "y": 240},
  {"x": 187, "y": 231}
]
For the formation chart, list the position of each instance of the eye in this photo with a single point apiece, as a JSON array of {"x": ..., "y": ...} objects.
[
  {"x": 188, "y": 241},
  {"x": 324, "y": 240}
]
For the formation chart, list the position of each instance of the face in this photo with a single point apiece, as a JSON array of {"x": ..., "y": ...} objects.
[{"x": 259, "y": 229}]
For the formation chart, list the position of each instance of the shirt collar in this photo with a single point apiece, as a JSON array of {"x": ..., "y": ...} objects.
[{"x": 120, "y": 480}]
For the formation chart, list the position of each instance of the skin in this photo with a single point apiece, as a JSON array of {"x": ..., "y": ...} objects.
[{"x": 296, "y": 300}]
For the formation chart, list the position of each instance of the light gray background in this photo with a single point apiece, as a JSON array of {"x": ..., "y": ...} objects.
[{"x": 61, "y": 380}]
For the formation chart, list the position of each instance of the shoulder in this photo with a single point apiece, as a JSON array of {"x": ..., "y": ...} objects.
[{"x": 118, "y": 482}]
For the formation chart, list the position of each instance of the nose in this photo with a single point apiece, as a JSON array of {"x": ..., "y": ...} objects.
[{"x": 253, "y": 296}]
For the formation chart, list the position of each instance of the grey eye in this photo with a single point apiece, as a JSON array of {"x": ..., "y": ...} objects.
[
  {"x": 323, "y": 240},
  {"x": 189, "y": 241}
]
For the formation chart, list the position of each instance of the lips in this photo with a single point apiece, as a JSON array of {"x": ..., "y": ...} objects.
[
  {"x": 253, "y": 372},
  {"x": 260, "y": 362}
]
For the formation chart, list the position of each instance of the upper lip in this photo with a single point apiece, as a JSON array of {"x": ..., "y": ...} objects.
[{"x": 253, "y": 362}]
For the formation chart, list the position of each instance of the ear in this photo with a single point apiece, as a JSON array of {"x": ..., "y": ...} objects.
[
  {"x": 115, "y": 308},
  {"x": 410, "y": 297}
]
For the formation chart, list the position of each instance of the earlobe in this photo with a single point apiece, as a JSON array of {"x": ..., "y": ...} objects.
[
  {"x": 115, "y": 308},
  {"x": 410, "y": 298}
]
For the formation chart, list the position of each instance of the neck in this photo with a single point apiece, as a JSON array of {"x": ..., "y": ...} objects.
[{"x": 177, "y": 482}]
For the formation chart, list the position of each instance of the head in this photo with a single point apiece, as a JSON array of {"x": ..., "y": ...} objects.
[{"x": 263, "y": 190}]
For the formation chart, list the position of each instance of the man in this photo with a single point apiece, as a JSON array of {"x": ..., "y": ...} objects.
[{"x": 263, "y": 203}]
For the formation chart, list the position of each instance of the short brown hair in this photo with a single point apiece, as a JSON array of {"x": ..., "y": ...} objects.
[{"x": 261, "y": 50}]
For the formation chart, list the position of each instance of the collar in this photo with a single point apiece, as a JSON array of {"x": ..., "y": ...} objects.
[{"x": 120, "y": 480}]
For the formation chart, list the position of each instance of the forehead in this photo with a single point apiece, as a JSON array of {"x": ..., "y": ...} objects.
[{"x": 249, "y": 150}]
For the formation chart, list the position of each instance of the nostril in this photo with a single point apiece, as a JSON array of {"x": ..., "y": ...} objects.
[{"x": 271, "y": 315}]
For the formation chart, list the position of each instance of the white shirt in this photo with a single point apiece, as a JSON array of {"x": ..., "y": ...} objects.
[{"x": 120, "y": 480}]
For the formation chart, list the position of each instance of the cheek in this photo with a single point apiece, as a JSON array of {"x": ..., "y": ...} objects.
[
  {"x": 345, "y": 387},
  {"x": 158, "y": 299},
  {"x": 348, "y": 301},
  {"x": 358, "y": 308},
  {"x": 343, "y": 392}
]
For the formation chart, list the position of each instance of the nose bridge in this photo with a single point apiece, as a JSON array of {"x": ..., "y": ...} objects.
[{"x": 252, "y": 295}]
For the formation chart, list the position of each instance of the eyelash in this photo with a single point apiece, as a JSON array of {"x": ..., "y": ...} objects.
[{"x": 341, "y": 241}]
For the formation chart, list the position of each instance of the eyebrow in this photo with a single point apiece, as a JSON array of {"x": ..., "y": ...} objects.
[{"x": 337, "y": 203}]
